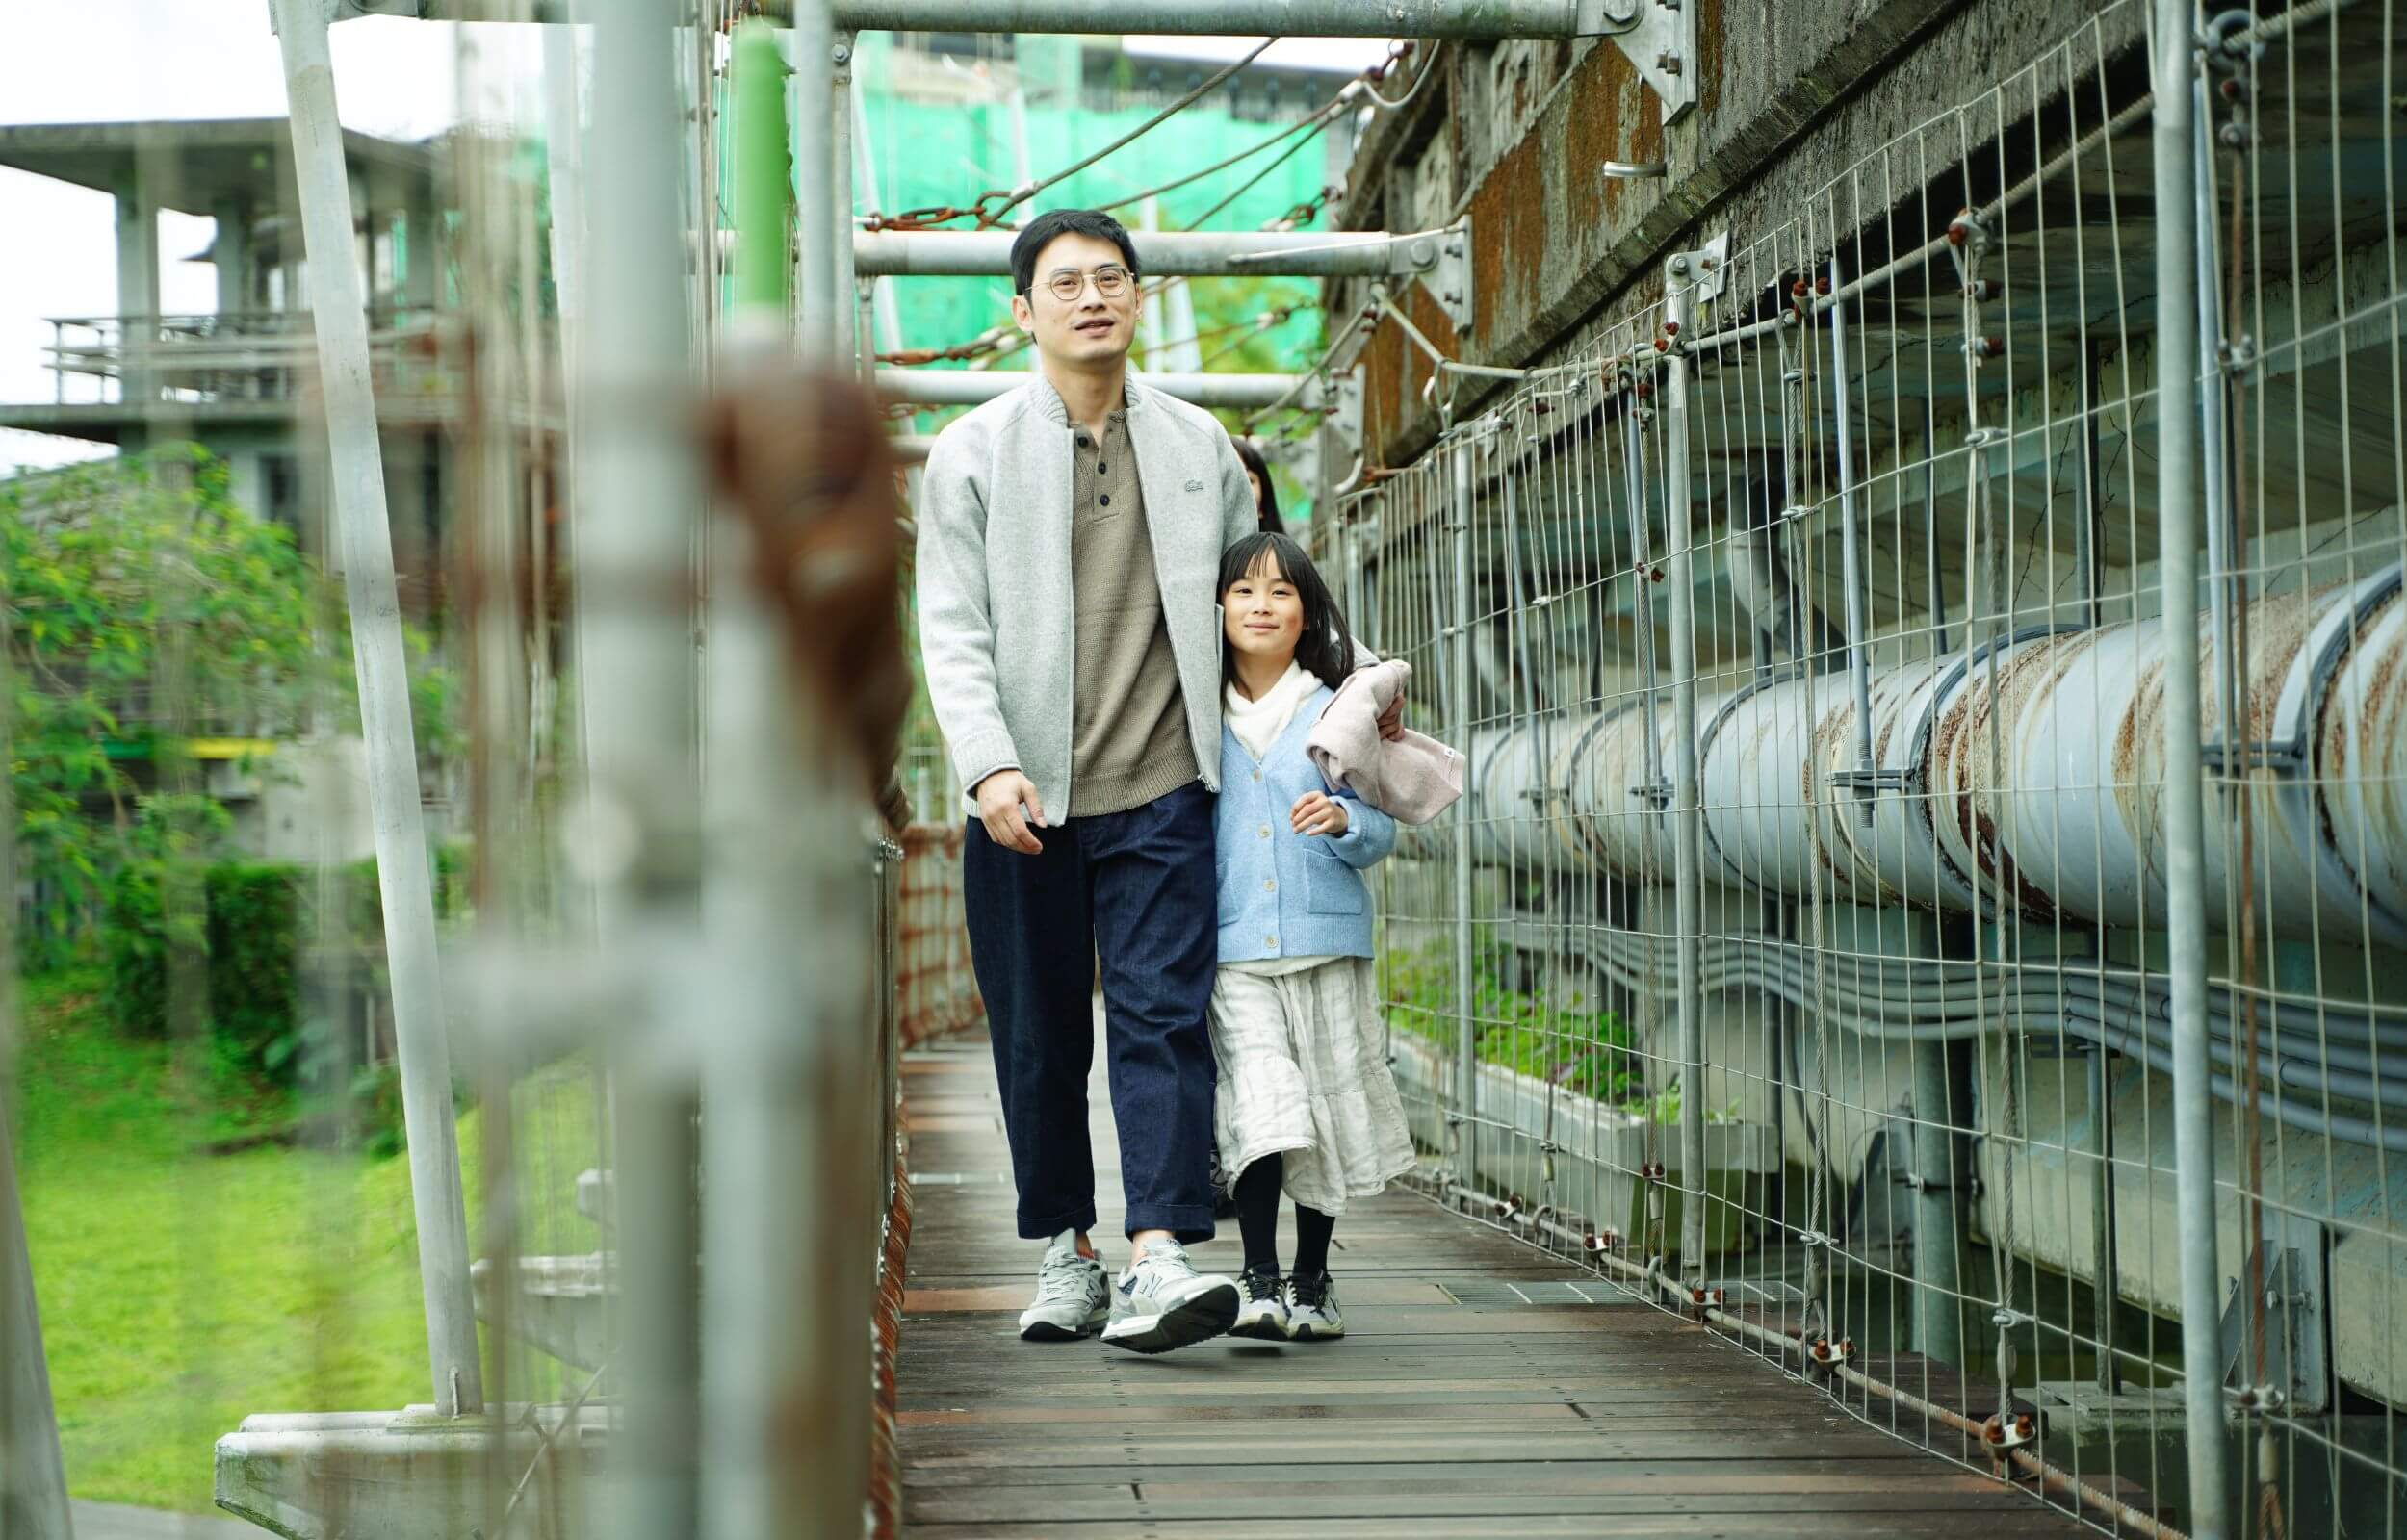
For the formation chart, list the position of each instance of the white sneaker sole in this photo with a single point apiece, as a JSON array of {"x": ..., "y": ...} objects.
[
  {"x": 1315, "y": 1330},
  {"x": 1199, "y": 1317},
  {"x": 1034, "y": 1328},
  {"x": 1265, "y": 1326}
]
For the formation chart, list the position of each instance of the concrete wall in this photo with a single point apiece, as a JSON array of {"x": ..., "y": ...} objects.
[{"x": 1512, "y": 135}]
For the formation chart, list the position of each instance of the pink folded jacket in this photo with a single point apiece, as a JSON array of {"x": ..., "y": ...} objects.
[{"x": 1414, "y": 779}]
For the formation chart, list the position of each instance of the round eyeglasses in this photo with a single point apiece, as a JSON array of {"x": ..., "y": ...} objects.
[{"x": 1068, "y": 286}]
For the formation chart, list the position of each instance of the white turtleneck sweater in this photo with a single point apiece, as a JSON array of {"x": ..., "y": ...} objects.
[{"x": 1258, "y": 723}]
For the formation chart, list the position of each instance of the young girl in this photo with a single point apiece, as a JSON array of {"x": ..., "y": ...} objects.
[{"x": 1306, "y": 1100}]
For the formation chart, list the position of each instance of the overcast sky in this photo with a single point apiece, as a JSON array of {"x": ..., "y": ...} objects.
[{"x": 106, "y": 61}]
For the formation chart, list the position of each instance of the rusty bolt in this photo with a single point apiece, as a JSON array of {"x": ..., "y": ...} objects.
[
  {"x": 2233, "y": 90},
  {"x": 1540, "y": 408},
  {"x": 1822, "y": 286},
  {"x": 1643, "y": 389},
  {"x": 1797, "y": 289},
  {"x": 1959, "y": 228},
  {"x": 1404, "y": 49},
  {"x": 1663, "y": 345},
  {"x": 1671, "y": 328}
]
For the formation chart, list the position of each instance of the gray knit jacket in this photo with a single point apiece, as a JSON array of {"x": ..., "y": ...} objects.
[{"x": 993, "y": 575}]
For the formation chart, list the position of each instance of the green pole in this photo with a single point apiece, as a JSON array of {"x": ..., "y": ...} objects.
[{"x": 763, "y": 179}]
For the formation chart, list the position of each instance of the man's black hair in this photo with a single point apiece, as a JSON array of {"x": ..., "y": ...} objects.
[
  {"x": 1040, "y": 232},
  {"x": 1325, "y": 647},
  {"x": 1265, "y": 507}
]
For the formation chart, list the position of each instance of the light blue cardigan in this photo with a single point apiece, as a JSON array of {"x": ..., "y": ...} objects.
[{"x": 1281, "y": 893}]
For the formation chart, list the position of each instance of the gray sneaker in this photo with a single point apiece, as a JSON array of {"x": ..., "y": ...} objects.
[
  {"x": 1162, "y": 1302},
  {"x": 1312, "y": 1311},
  {"x": 1071, "y": 1296}
]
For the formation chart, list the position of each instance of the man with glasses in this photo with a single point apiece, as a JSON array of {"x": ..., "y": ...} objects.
[{"x": 1069, "y": 542}]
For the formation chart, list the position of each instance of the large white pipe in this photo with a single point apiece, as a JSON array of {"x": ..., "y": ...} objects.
[
  {"x": 2073, "y": 827},
  {"x": 966, "y": 387},
  {"x": 1160, "y": 253}
]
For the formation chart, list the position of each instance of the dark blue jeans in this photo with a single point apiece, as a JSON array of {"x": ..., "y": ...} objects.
[{"x": 1133, "y": 889}]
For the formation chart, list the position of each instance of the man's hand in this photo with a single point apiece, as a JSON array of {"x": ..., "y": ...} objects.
[
  {"x": 1000, "y": 796},
  {"x": 1314, "y": 813},
  {"x": 1392, "y": 720}
]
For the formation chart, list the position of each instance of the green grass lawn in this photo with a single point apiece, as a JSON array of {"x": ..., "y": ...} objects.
[{"x": 181, "y": 1290}]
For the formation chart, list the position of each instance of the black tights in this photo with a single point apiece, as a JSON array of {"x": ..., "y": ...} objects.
[{"x": 1258, "y": 1220}]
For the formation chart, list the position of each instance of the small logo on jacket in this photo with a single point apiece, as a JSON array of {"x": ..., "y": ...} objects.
[{"x": 1195, "y": 486}]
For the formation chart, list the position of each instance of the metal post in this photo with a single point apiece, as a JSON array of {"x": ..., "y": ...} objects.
[
  {"x": 2214, "y": 462},
  {"x": 1687, "y": 803},
  {"x": 851, "y": 337},
  {"x": 1459, "y": 645},
  {"x": 366, "y": 541},
  {"x": 815, "y": 170},
  {"x": 33, "y": 1480},
  {"x": 1938, "y": 1238},
  {"x": 633, "y": 555},
  {"x": 1850, "y": 551},
  {"x": 2185, "y": 810},
  {"x": 2106, "y": 1280}
]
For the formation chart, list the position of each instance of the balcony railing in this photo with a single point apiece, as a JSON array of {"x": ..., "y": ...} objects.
[{"x": 239, "y": 356}]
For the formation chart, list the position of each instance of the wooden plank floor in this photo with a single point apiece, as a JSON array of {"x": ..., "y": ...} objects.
[{"x": 1455, "y": 1407}]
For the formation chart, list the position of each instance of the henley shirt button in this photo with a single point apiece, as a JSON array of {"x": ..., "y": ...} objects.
[
  {"x": 1105, "y": 499},
  {"x": 1101, "y": 469},
  {"x": 1085, "y": 442}
]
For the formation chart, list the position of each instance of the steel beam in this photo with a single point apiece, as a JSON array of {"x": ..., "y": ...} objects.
[
  {"x": 1161, "y": 253},
  {"x": 961, "y": 387},
  {"x": 1475, "y": 21}
]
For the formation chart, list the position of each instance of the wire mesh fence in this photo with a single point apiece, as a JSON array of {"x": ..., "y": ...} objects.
[{"x": 1802, "y": 952}]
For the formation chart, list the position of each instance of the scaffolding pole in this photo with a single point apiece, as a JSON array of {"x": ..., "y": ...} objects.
[
  {"x": 1687, "y": 802},
  {"x": 364, "y": 538},
  {"x": 961, "y": 387},
  {"x": 1472, "y": 20},
  {"x": 1163, "y": 253},
  {"x": 2185, "y": 804}
]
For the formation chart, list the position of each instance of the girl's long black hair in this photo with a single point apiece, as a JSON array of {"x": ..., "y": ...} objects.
[
  {"x": 1265, "y": 507},
  {"x": 1326, "y": 647}
]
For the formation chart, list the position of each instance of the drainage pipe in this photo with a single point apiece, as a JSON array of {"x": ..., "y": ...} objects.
[{"x": 1850, "y": 549}]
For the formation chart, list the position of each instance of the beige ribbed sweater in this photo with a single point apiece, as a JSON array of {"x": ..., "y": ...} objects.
[{"x": 1127, "y": 719}]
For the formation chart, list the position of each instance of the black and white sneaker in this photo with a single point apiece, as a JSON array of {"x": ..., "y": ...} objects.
[
  {"x": 1312, "y": 1311},
  {"x": 1263, "y": 1305}
]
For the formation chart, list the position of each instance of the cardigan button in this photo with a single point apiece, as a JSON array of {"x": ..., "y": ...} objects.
[
  {"x": 1270, "y": 941},
  {"x": 1257, "y": 774},
  {"x": 1270, "y": 884},
  {"x": 1266, "y": 830}
]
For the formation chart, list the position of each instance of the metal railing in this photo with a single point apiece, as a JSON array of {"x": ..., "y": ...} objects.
[
  {"x": 1807, "y": 951},
  {"x": 262, "y": 355}
]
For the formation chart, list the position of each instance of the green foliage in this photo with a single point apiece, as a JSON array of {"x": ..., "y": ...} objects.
[
  {"x": 127, "y": 585},
  {"x": 1580, "y": 1047}
]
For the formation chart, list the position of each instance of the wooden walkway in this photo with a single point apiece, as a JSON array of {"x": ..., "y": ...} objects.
[{"x": 1482, "y": 1391}]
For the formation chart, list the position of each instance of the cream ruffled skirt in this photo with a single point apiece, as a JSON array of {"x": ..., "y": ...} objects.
[{"x": 1304, "y": 1075}]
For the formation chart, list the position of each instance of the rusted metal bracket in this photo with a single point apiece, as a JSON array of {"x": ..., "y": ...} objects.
[
  {"x": 1446, "y": 270},
  {"x": 1657, "y": 36}
]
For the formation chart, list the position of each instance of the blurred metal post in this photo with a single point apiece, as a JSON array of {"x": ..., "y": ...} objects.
[
  {"x": 817, "y": 298},
  {"x": 33, "y": 1480},
  {"x": 364, "y": 537},
  {"x": 1459, "y": 644},
  {"x": 852, "y": 338},
  {"x": 2184, "y": 810},
  {"x": 1687, "y": 802},
  {"x": 633, "y": 554}
]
